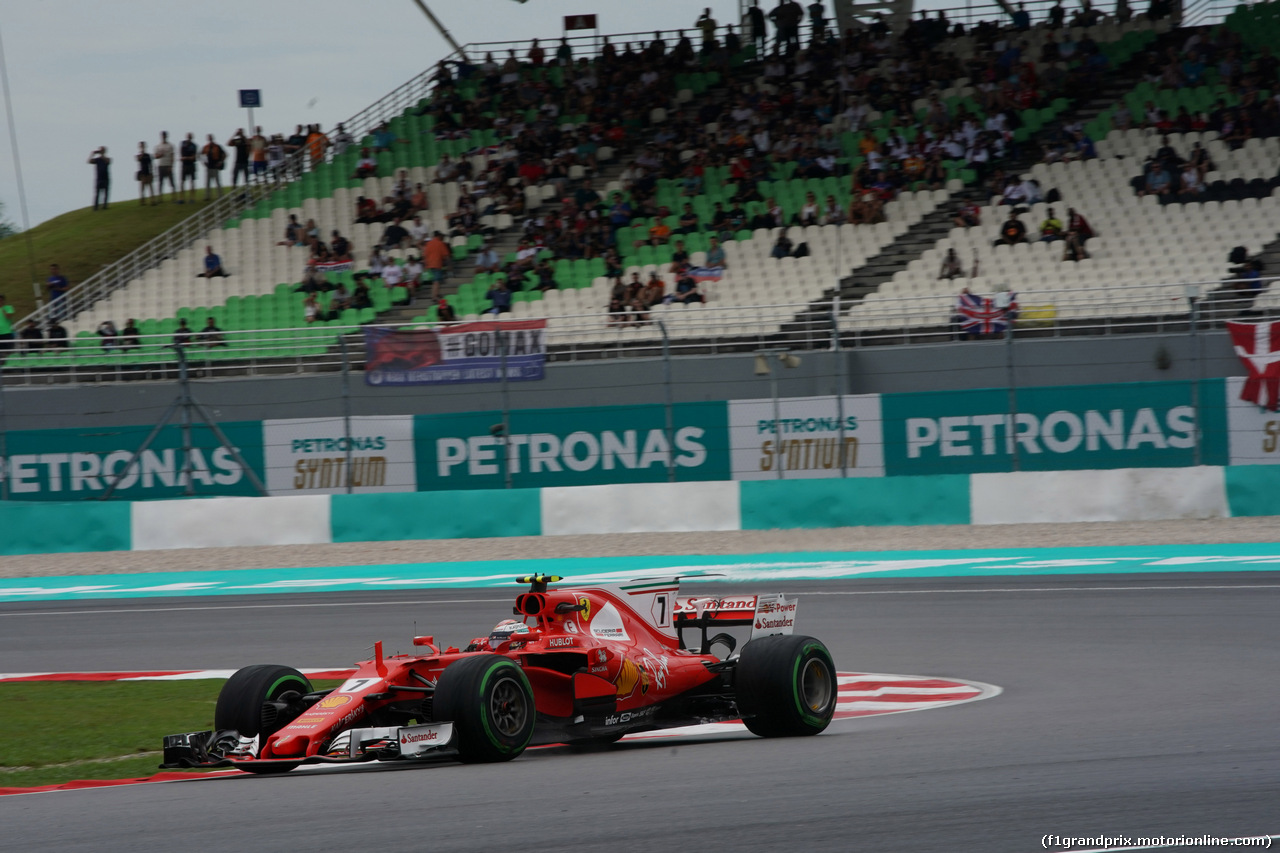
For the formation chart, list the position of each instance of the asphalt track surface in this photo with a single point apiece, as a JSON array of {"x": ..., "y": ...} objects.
[{"x": 1132, "y": 706}]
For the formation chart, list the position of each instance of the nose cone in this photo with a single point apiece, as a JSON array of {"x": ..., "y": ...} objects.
[{"x": 288, "y": 746}]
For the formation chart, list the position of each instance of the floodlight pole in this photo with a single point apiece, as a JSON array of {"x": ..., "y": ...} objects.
[{"x": 440, "y": 28}]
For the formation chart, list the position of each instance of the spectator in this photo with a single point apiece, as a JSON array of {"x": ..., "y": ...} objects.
[
  {"x": 342, "y": 141},
  {"x": 215, "y": 160},
  {"x": 782, "y": 246},
  {"x": 212, "y": 265},
  {"x": 101, "y": 164},
  {"x": 445, "y": 312},
  {"x": 339, "y": 247},
  {"x": 1073, "y": 247},
  {"x": 487, "y": 259},
  {"x": 239, "y": 143},
  {"x": 367, "y": 167},
  {"x": 187, "y": 153},
  {"x": 31, "y": 337},
  {"x": 182, "y": 334},
  {"x": 756, "y": 25},
  {"x": 413, "y": 270},
  {"x": 435, "y": 255},
  {"x": 108, "y": 333},
  {"x": 951, "y": 266},
  {"x": 1077, "y": 223},
  {"x": 257, "y": 153},
  {"x": 340, "y": 298},
  {"x": 145, "y": 175},
  {"x": 293, "y": 234},
  {"x": 311, "y": 309},
  {"x": 57, "y": 333},
  {"x": 1157, "y": 181},
  {"x": 499, "y": 297},
  {"x": 211, "y": 336},
  {"x": 392, "y": 275},
  {"x": 130, "y": 337},
  {"x": 1012, "y": 231},
  {"x": 1051, "y": 228},
  {"x": 967, "y": 215},
  {"x": 394, "y": 236},
  {"x": 687, "y": 291},
  {"x": 317, "y": 143},
  {"x": 360, "y": 297},
  {"x": 58, "y": 289},
  {"x": 163, "y": 155},
  {"x": 715, "y": 254}
]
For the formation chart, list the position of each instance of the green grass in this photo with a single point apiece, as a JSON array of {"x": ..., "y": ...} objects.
[
  {"x": 55, "y": 732},
  {"x": 82, "y": 242}
]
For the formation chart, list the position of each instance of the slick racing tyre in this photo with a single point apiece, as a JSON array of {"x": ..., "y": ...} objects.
[
  {"x": 785, "y": 686},
  {"x": 490, "y": 703},
  {"x": 261, "y": 700}
]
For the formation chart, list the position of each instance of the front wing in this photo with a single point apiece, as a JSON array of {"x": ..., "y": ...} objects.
[{"x": 383, "y": 743}]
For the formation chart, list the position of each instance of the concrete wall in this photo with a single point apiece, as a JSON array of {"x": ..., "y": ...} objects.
[{"x": 885, "y": 369}]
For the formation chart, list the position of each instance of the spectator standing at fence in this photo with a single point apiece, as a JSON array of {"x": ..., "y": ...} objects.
[
  {"x": 145, "y": 175},
  {"x": 215, "y": 160},
  {"x": 239, "y": 143},
  {"x": 101, "y": 164},
  {"x": 6, "y": 324},
  {"x": 58, "y": 289},
  {"x": 258, "y": 153},
  {"x": 187, "y": 153},
  {"x": 817, "y": 21},
  {"x": 757, "y": 30},
  {"x": 163, "y": 154},
  {"x": 317, "y": 143},
  {"x": 786, "y": 20},
  {"x": 707, "y": 25}
]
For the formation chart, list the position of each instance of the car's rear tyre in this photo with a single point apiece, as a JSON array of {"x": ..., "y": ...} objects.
[
  {"x": 243, "y": 705},
  {"x": 785, "y": 686},
  {"x": 490, "y": 703}
]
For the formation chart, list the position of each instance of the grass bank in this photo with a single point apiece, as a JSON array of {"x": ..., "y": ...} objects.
[
  {"x": 82, "y": 242},
  {"x": 56, "y": 732}
]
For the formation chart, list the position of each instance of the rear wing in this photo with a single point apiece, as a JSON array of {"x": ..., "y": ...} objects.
[{"x": 767, "y": 614}]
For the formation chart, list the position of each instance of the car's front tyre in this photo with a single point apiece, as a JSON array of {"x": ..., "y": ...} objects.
[{"x": 489, "y": 701}]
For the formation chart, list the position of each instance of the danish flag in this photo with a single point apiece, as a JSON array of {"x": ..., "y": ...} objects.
[{"x": 1258, "y": 345}]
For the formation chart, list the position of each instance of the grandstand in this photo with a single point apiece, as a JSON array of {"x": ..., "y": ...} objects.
[{"x": 858, "y": 279}]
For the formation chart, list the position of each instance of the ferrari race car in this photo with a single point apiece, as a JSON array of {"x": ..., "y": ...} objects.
[{"x": 586, "y": 664}]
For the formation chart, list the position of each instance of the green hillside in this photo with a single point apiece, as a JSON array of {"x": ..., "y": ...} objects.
[{"x": 82, "y": 242}]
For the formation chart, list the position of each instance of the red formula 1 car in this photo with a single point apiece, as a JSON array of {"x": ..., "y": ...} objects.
[{"x": 585, "y": 664}]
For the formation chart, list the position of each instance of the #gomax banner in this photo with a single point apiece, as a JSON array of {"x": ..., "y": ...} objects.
[
  {"x": 1255, "y": 431},
  {"x": 310, "y": 455},
  {"x": 806, "y": 437}
]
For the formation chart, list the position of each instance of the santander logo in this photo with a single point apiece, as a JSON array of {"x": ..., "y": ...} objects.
[{"x": 418, "y": 738}]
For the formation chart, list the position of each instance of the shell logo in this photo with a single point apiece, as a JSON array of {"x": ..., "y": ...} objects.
[{"x": 330, "y": 702}]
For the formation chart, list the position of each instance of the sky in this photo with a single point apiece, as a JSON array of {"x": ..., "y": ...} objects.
[{"x": 84, "y": 74}]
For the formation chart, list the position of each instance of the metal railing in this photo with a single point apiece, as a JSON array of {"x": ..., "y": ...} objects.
[{"x": 679, "y": 330}]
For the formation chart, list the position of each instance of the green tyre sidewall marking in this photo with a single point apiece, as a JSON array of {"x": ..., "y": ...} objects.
[
  {"x": 271, "y": 691},
  {"x": 496, "y": 669},
  {"x": 805, "y": 714}
]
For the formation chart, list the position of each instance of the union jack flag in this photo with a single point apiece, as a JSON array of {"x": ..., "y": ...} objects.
[
  {"x": 1258, "y": 345},
  {"x": 984, "y": 315}
]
